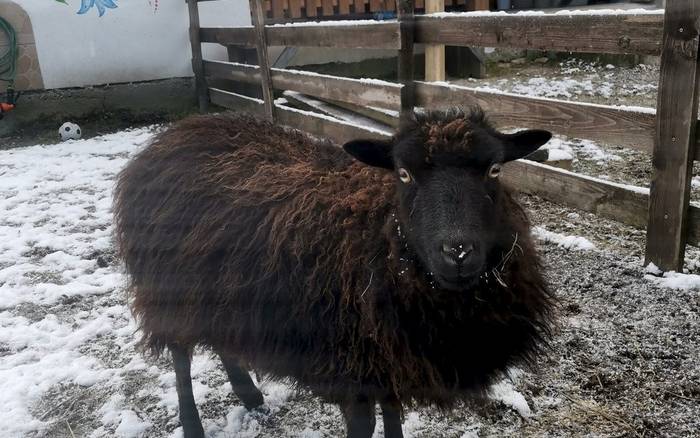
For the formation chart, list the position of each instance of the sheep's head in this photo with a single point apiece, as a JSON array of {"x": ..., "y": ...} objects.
[{"x": 450, "y": 203}]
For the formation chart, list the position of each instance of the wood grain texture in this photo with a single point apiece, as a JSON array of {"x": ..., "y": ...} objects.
[
  {"x": 597, "y": 196},
  {"x": 329, "y": 87},
  {"x": 256, "y": 8},
  {"x": 625, "y": 33},
  {"x": 338, "y": 132},
  {"x": 294, "y": 8},
  {"x": 600, "y": 123},
  {"x": 481, "y": 5},
  {"x": 595, "y": 122},
  {"x": 228, "y": 36},
  {"x": 277, "y": 9},
  {"x": 434, "y": 53},
  {"x": 406, "y": 59},
  {"x": 237, "y": 102},
  {"x": 381, "y": 35},
  {"x": 359, "y": 6},
  {"x": 197, "y": 67},
  {"x": 327, "y": 6},
  {"x": 674, "y": 145}
]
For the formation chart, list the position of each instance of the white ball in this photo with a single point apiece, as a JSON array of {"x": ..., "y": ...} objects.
[{"x": 69, "y": 131}]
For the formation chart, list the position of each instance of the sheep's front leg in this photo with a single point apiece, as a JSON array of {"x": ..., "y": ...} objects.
[
  {"x": 359, "y": 416},
  {"x": 391, "y": 413},
  {"x": 189, "y": 417},
  {"x": 241, "y": 383}
]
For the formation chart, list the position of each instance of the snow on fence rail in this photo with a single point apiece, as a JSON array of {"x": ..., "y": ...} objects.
[
  {"x": 630, "y": 33},
  {"x": 669, "y": 133}
]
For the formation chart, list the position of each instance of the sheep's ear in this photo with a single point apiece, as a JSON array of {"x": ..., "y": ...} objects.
[
  {"x": 375, "y": 153},
  {"x": 523, "y": 143}
]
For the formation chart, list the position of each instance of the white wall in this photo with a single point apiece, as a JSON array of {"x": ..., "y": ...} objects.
[{"x": 127, "y": 44}]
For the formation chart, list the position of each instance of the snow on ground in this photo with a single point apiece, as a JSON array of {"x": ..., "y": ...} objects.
[{"x": 563, "y": 241}]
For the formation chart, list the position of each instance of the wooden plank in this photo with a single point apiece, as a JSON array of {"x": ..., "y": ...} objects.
[
  {"x": 596, "y": 122},
  {"x": 677, "y": 109},
  {"x": 619, "y": 33},
  {"x": 327, "y": 6},
  {"x": 228, "y": 36},
  {"x": 434, "y": 53},
  {"x": 603, "y": 198},
  {"x": 379, "y": 94},
  {"x": 295, "y": 8},
  {"x": 277, "y": 9},
  {"x": 608, "y": 124},
  {"x": 390, "y": 120},
  {"x": 359, "y": 6},
  {"x": 336, "y": 131},
  {"x": 375, "y": 35},
  {"x": 344, "y": 7},
  {"x": 375, "y": 5},
  {"x": 405, "y": 59},
  {"x": 481, "y": 5},
  {"x": 238, "y": 102},
  {"x": 389, "y": 5},
  {"x": 256, "y": 9},
  {"x": 197, "y": 67}
]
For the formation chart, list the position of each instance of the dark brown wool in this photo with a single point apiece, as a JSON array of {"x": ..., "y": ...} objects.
[{"x": 247, "y": 237}]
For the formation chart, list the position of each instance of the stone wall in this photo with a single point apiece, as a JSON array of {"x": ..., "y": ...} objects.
[{"x": 28, "y": 71}]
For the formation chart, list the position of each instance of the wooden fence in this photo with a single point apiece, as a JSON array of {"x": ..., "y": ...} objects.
[
  {"x": 667, "y": 132},
  {"x": 293, "y": 10}
]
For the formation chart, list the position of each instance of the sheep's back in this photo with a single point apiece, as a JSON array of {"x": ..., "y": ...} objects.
[{"x": 231, "y": 228}]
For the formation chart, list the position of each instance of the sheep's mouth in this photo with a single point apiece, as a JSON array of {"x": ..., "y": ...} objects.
[{"x": 457, "y": 284}]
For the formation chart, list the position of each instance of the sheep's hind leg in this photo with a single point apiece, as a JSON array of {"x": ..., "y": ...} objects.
[
  {"x": 359, "y": 416},
  {"x": 391, "y": 412},
  {"x": 241, "y": 383},
  {"x": 189, "y": 417}
]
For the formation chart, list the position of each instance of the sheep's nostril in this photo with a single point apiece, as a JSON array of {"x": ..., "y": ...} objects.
[
  {"x": 457, "y": 253},
  {"x": 447, "y": 249}
]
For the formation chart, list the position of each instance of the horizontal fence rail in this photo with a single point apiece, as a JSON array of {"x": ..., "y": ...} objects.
[
  {"x": 622, "y": 33},
  {"x": 633, "y": 128},
  {"x": 357, "y": 91},
  {"x": 581, "y": 32},
  {"x": 623, "y": 203},
  {"x": 365, "y": 34}
]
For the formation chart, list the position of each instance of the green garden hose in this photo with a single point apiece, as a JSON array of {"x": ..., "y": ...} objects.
[{"x": 8, "y": 60}]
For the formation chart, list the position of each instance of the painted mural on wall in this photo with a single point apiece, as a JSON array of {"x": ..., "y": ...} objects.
[{"x": 102, "y": 5}]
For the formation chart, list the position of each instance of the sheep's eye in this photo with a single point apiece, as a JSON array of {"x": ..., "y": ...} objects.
[
  {"x": 494, "y": 170},
  {"x": 404, "y": 176}
]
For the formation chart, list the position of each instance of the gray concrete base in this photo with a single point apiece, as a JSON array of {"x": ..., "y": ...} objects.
[{"x": 118, "y": 105}]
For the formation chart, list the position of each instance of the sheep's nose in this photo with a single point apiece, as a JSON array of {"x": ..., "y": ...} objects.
[{"x": 457, "y": 253}]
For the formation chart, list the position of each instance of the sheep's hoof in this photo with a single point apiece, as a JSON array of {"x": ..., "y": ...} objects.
[
  {"x": 193, "y": 430},
  {"x": 253, "y": 401}
]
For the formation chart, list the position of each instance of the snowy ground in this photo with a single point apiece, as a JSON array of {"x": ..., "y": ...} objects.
[{"x": 625, "y": 362}]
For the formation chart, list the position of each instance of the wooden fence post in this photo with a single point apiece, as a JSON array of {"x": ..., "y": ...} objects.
[
  {"x": 434, "y": 53},
  {"x": 257, "y": 11},
  {"x": 674, "y": 143},
  {"x": 197, "y": 66},
  {"x": 405, "y": 67}
]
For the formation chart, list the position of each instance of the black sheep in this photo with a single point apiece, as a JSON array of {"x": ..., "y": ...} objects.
[{"x": 406, "y": 275}]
